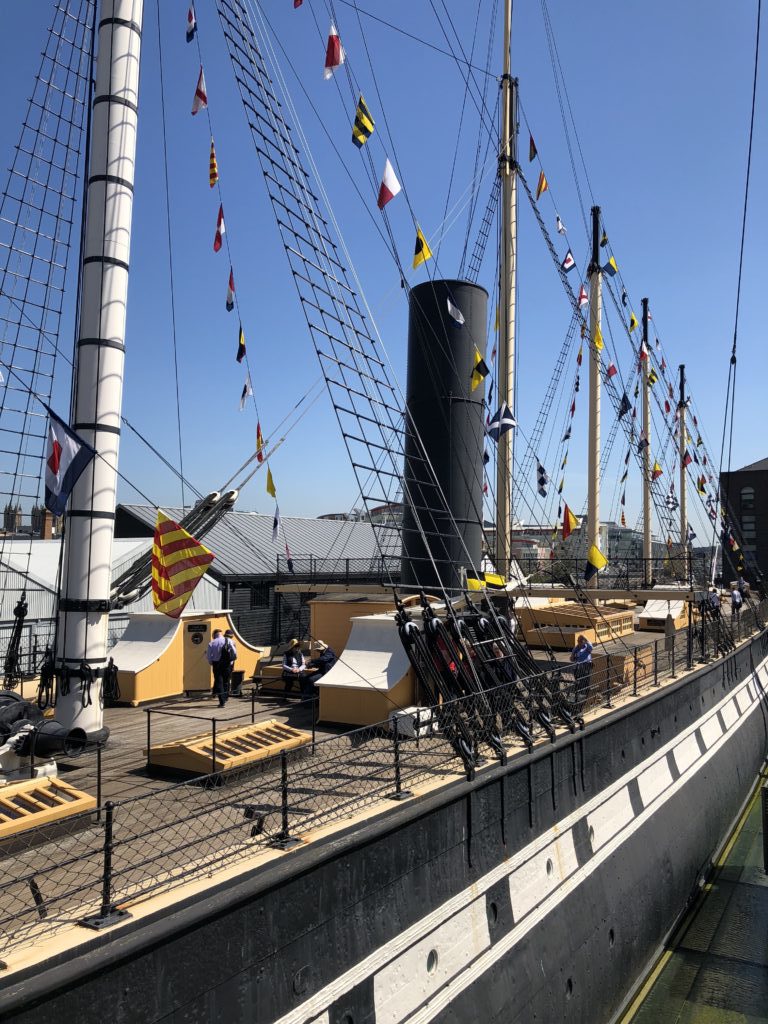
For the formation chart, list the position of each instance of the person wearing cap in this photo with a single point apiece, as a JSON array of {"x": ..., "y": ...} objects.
[
  {"x": 323, "y": 662},
  {"x": 294, "y": 665}
]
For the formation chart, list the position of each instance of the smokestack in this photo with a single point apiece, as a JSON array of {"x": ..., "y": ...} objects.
[{"x": 449, "y": 419}]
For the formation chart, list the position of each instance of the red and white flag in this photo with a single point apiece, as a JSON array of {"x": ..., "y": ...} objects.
[
  {"x": 643, "y": 351},
  {"x": 583, "y": 297},
  {"x": 259, "y": 443},
  {"x": 200, "y": 101},
  {"x": 67, "y": 456},
  {"x": 611, "y": 371},
  {"x": 389, "y": 186},
  {"x": 220, "y": 230},
  {"x": 334, "y": 53},
  {"x": 191, "y": 24},
  {"x": 231, "y": 292}
]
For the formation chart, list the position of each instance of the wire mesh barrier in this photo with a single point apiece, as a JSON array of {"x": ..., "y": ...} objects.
[
  {"x": 92, "y": 866},
  {"x": 621, "y": 572},
  {"x": 382, "y": 569}
]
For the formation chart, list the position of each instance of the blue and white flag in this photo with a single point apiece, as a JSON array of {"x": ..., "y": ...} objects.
[
  {"x": 276, "y": 525},
  {"x": 67, "y": 456},
  {"x": 191, "y": 23},
  {"x": 569, "y": 262},
  {"x": 691, "y": 536},
  {"x": 501, "y": 422}
]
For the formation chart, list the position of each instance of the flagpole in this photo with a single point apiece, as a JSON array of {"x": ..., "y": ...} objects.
[
  {"x": 98, "y": 374},
  {"x": 507, "y": 295},
  {"x": 595, "y": 332},
  {"x": 683, "y": 492},
  {"x": 647, "y": 544}
]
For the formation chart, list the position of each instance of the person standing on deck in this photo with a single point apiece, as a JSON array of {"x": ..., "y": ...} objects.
[
  {"x": 735, "y": 604},
  {"x": 582, "y": 656},
  {"x": 221, "y": 665}
]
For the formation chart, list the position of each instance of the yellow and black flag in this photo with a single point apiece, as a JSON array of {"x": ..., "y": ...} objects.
[
  {"x": 652, "y": 377},
  {"x": 479, "y": 370},
  {"x": 213, "y": 167},
  {"x": 422, "y": 252},
  {"x": 363, "y": 126}
]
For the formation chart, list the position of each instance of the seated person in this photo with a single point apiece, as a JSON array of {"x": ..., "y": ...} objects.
[
  {"x": 324, "y": 660},
  {"x": 294, "y": 665}
]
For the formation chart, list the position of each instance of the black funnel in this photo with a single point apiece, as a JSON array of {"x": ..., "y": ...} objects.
[{"x": 448, "y": 417}]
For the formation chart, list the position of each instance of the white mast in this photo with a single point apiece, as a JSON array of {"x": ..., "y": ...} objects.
[
  {"x": 507, "y": 294},
  {"x": 647, "y": 544},
  {"x": 98, "y": 379},
  {"x": 595, "y": 336}
]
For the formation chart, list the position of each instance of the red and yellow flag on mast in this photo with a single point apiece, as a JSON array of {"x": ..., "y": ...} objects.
[{"x": 178, "y": 562}]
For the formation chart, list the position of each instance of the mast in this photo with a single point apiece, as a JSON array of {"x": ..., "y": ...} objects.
[
  {"x": 98, "y": 374},
  {"x": 595, "y": 333},
  {"x": 647, "y": 544},
  {"x": 507, "y": 294},
  {"x": 683, "y": 490}
]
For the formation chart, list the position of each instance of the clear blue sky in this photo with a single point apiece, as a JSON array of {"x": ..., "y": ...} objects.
[{"x": 660, "y": 93}]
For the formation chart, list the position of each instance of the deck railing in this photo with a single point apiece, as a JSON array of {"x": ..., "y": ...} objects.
[{"x": 91, "y": 867}]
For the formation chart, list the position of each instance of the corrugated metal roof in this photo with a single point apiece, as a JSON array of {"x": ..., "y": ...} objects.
[
  {"x": 242, "y": 541},
  {"x": 34, "y": 565}
]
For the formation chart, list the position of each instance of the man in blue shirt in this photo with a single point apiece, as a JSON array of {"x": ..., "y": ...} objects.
[
  {"x": 581, "y": 655},
  {"x": 221, "y": 656}
]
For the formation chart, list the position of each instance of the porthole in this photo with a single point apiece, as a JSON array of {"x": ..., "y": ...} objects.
[
  {"x": 591, "y": 834},
  {"x": 432, "y": 961},
  {"x": 493, "y": 913},
  {"x": 347, "y": 1019},
  {"x": 569, "y": 988},
  {"x": 623, "y": 756},
  {"x": 611, "y": 938},
  {"x": 550, "y": 866}
]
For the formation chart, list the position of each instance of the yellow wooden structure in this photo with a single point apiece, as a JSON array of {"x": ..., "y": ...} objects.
[
  {"x": 159, "y": 657},
  {"x": 232, "y": 748},
  {"x": 35, "y": 802},
  {"x": 558, "y": 625}
]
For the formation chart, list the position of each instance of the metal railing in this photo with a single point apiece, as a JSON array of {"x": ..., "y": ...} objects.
[
  {"x": 620, "y": 573},
  {"x": 98, "y": 862},
  {"x": 384, "y": 569},
  {"x": 38, "y": 634}
]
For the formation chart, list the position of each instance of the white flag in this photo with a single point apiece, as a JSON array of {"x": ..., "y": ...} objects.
[
  {"x": 247, "y": 392},
  {"x": 455, "y": 313},
  {"x": 561, "y": 229}
]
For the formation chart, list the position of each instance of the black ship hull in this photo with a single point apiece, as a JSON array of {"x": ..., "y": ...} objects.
[{"x": 539, "y": 891}]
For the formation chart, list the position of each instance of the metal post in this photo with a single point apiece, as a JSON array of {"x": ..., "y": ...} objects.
[
  {"x": 656, "y": 663},
  {"x": 98, "y": 375},
  {"x": 634, "y": 673},
  {"x": 764, "y": 800},
  {"x": 213, "y": 746},
  {"x": 400, "y": 793},
  {"x": 683, "y": 490},
  {"x": 595, "y": 345},
  {"x": 98, "y": 782},
  {"x": 507, "y": 291},
  {"x": 315, "y": 704},
  {"x": 647, "y": 543},
  {"x": 283, "y": 840},
  {"x": 108, "y": 914},
  {"x": 148, "y": 713},
  {"x": 253, "y": 704},
  {"x": 607, "y": 687},
  {"x": 689, "y": 641}
]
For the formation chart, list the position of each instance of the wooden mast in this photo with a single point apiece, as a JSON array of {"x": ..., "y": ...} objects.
[
  {"x": 647, "y": 543},
  {"x": 595, "y": 337},
  {"x": 507, "y": 294}
]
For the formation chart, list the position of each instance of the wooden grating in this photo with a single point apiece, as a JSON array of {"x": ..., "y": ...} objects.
[
  {"x": 235, "y": 747},
  {"x": 25, "y": 805}
]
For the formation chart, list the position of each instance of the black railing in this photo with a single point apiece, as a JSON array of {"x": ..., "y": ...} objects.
[
  {"x": 620, "y": 573},
  {"x": 384, "y": 569},
  {"x": 99, "y": 862}
]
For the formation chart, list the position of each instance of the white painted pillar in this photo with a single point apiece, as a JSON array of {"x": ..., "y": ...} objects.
[
  {"x": 595, "y": 332},
  {"x": 98, "y": 380},
  {"x": 647, "y": 541}
]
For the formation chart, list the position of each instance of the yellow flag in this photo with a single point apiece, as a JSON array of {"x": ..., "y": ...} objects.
[
  {"x": 542, "y": 186},
  {"x": 596, "y": 561},
  {"x": 479, "y": 370},
  {"x": 496, "y": 324},
  {"x": 270, "y": 484},
  {"x": 598, "y": 339},
  {"x": 632, "y": 322},
  {"x": 422, "y": 252},
  {"x": 178, "y": 563}
]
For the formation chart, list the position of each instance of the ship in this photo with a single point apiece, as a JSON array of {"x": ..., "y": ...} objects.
[{"x": 507, "y": 834}]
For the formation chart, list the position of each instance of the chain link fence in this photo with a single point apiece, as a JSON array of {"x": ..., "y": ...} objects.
[{"x": 89, "y": 866}]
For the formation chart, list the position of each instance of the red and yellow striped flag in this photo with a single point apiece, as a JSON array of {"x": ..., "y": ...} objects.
[
  {"x": 213, "y": 167},
  {"x": 178, "y": 562}
]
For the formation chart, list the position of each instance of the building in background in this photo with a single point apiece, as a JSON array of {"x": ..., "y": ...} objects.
[{"x": 745, "y": 496}]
